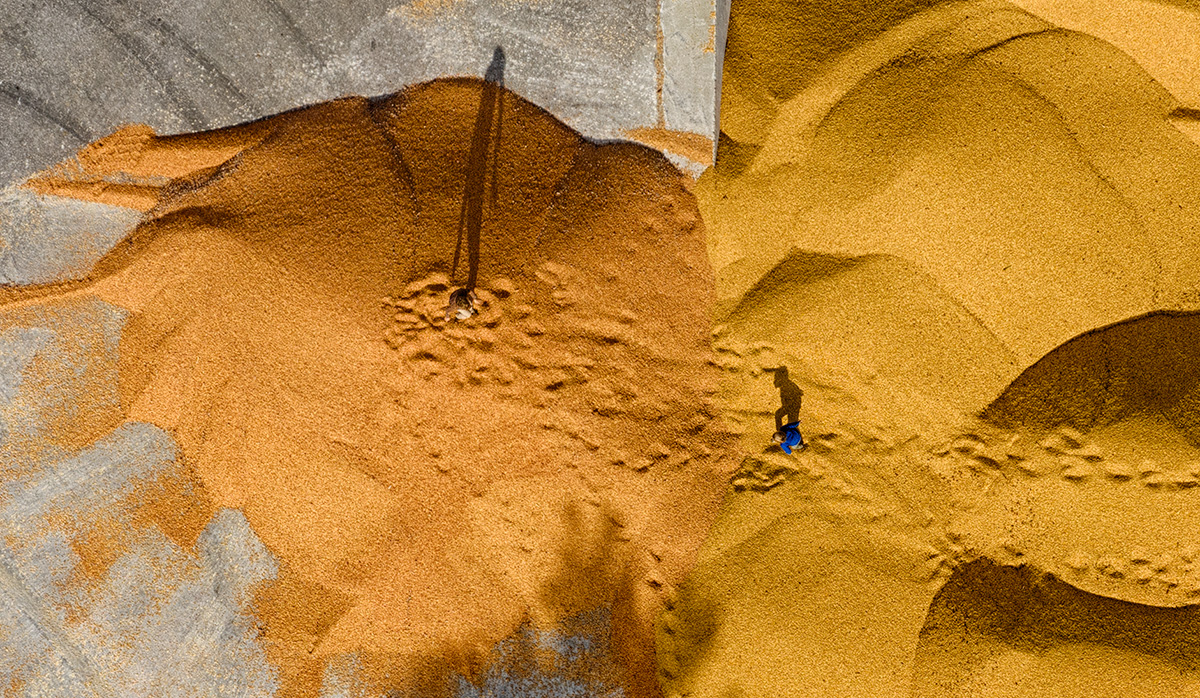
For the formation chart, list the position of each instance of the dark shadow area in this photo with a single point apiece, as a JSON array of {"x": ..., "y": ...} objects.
[
  {"x": 470, "y": 220},
  {"x": 777, "y": 39},
  {"x": 797, "y": 270},
  {"x": 1143, "y": 366},
  {"x": 586, "y": 576},
  {"x": 988, "y": 610},
  {"x": 572, "y": 659},
  {"x": 733, "y": 157},
  {"x": 594, "y": 580},
  {"x": 1191, "y": 113},
  {"x": 689, "y": 628}
]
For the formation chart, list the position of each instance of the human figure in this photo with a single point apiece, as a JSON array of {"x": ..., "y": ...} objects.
[
  {"x": 787, "y": 434},
  {"x": 462, "y": 305}
]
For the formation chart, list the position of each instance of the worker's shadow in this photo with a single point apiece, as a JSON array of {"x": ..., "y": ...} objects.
[{"x": 790, "y": 397}]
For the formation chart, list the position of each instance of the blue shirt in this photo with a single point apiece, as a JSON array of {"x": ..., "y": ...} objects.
[{"x": 791, "y": 437}]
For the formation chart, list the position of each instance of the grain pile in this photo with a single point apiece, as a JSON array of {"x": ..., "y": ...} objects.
[{"x": 427, "y": 487}]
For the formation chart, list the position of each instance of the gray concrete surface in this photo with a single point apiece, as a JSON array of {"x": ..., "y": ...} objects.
[
  {"x": 72, "y": 71},
  {"x": 162, "y": 621},
  {"x": 51, "y": 238}
]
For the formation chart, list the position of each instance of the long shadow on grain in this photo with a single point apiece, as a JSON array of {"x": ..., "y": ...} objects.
[{"x": 470, "y": 219}]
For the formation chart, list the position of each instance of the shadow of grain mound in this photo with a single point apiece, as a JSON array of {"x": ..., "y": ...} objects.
[
  {"x": 1005, "y": 631},
  {"x": 1146, "y": 366}
]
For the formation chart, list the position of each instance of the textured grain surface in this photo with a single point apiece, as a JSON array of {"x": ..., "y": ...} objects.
[
  {"x": 429, "y": 489},
  {"x": 969, "y": 237}
]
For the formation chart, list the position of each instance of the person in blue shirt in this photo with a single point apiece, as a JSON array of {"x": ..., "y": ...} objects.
[
  {"x": 787, "y": 435},
  {"x": 789, "y": 438}
]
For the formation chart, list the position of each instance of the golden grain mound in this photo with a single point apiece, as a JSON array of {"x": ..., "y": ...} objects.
[{"x": 913, "y": 204}]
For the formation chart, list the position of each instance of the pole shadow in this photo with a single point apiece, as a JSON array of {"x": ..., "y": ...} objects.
[{"x": 483, "y": 140}]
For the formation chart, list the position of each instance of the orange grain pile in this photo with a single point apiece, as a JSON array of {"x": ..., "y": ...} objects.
[{"x": 426, "y": 487}]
